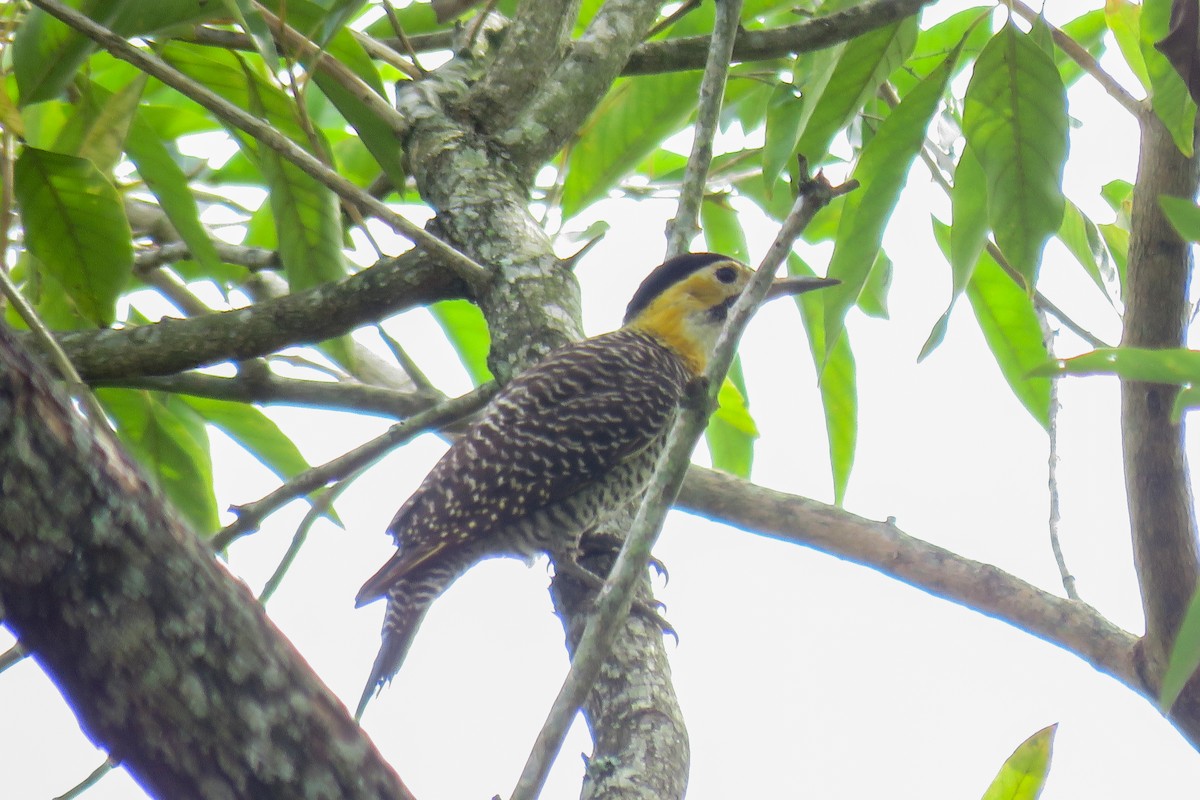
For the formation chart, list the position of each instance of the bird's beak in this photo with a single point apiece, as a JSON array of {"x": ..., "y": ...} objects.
[{"x": 785, "y": 287}]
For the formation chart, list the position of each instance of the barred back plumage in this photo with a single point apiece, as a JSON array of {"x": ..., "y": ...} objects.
[{"x": 573, "y": 438}]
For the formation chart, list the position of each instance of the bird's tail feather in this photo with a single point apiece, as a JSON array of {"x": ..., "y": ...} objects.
[{"x": 409, "y": 600}]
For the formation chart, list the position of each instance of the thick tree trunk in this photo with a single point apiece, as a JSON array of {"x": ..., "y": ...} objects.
[
  {"x": 168, "y": 662},
  {"x": 1158, "y": 486}
]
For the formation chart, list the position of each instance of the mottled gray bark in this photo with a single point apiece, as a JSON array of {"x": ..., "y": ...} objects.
[{"x": 168, "y": 662}]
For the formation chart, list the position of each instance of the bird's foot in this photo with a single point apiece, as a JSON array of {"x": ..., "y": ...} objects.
[{"x": 573, "y": 569}]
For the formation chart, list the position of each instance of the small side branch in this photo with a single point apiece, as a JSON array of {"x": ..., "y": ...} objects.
[{"x": 684, "y": 227}]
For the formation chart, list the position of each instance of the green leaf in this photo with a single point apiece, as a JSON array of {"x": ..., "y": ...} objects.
[
  {"x": 969, "y": 29},
  {"x": 47, "y": 54},
  {"x": 785, "y": 111},
  {"x": 252, "y": 22},
  {"x": 75, "y": 224},
  {"x": 1183, "y": 214},
  {"x": 167, "y": 181},
  {"x": 1084, "y": 241},
  {"x": 848, "y": 76},
  {"x": 257, "y": 434},
  {"x": 1185, "y": 657},
  {"x": 169, "y": 439},
  {"x": 968, "y": 204},
  {"x": 1024, "y": 773},
  {"x": 881, "y": 170},
  {"x": 1015, "y": 122},
  {"x": 838, "y": 382},
  {"x": 1087, "y": 30},
  {"x": 968, "y": 236},
  {"x": 628, "y": 125},
  {"x": 873, "y": 298},
  {"x": 1124, "y": 20},
  {"x": 1172, "y": 365},
  {"x": 1011, "y": 328},
  {"x": 467, "y": 330},
  {"x": 731, "y": 430},
  {"x": 1168, "y": 93},
  {"x": 305, "y": 213},
  {"x": 1116, "y": 238},
  {"x": 722, "y": 230},
  {"x": 100, "y": 122}
]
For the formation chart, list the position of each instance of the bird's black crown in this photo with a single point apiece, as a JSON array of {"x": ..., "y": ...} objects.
[{"x": 666, "y": 275}]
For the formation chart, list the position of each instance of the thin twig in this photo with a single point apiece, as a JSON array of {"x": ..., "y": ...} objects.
[
  {"x": 405, "y": 43},
  {"x": 1085, "y": 61},
  {"x": 252, "y": 514},
  {"x": 684, "y": 227},
  {"x": 1055, "y": 516},
  {"x": 91, "y": 780},
  {"x": 13, "y": 655},
  {"x": 471, "y": 272},
  {"x": 320, "y": 504},
  {"x": 615, "y": 598}
]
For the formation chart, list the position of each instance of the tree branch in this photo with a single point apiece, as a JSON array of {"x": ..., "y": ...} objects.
[
  {"x": 1157, "y": 483},
  {"x": 534, "y": 45},
  {"x": 1071, "y": 625},
  {"x": 685, "y": 224},
  {"x": 168, "y": 662},
  {"x": 306, "y": 317},
  {"x": 674, "y": 55}
]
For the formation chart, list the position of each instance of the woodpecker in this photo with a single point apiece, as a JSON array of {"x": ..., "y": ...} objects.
[{"x": 572, "y": 438}]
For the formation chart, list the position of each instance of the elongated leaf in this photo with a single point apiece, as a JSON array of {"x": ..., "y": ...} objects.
[
  {"x": 968, "y": 236},
  {"x": 306, "y": 214},
  {"x": 255, "y": 431},
  {"x": 785, "y": 111},
  {"x": 1168, "y": 93},
  {"x": 170, "y": 441},
  {"x": 838, "y": 381},
  {"x": 1015, "y": 122},
  {"x": 1011, "y": 328},
  {"x": 1174, "y": 365},
  {"x": 1010, "y": 325},
  {"x": 467, "y": 330},
  {"x": 881, "y": 171},
  {"x": 970, "y": 28},
  {"x": 731, "y": 431},
  {"x": 1084, "y": 241},
  {"x": 1124, "y": 20},
  {"x": 75, "y": 224},
  {"x": 1087, "y": 30},
  {"x": 629, "y": 125},
  {"x": 166, "y": 179},
  {"x": 722, "y": 230},
  {"x": 850, "y": 74},
  {"x": 873, "y": 300},
  {"x": 1024, "y": 773},
  {"x": 1185, "y": 656},
  {"x": 1184, "y": 215},
  {"x": 47, "y": 54}
]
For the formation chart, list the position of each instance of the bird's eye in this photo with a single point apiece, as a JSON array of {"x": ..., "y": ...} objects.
[{"x": 726, "y": 274}]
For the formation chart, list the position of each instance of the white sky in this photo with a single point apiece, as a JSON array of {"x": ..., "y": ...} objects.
[{"x": 800, "y": 675}]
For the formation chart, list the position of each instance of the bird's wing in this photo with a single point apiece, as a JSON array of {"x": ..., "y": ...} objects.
[{"x": 553, "y": 430}]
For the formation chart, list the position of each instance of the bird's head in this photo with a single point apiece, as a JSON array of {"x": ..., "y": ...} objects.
[{"x": 684, "y": 302}]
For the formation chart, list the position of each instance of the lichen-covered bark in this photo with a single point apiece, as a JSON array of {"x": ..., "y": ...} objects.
[
  {"x": 169, "y": 663},
  {"x": 641, "y": 747},
  {"x": 306, "y": 317}
]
